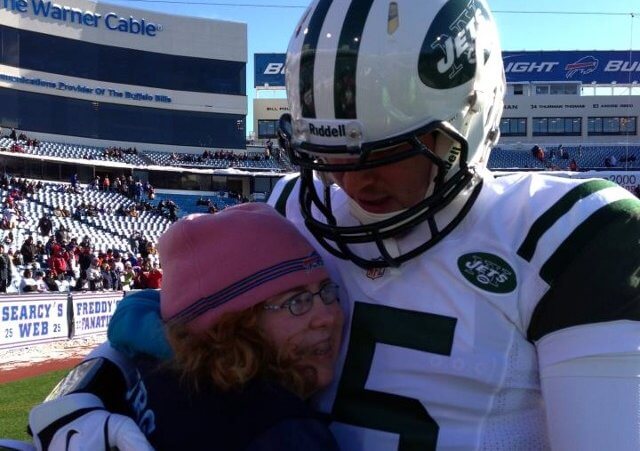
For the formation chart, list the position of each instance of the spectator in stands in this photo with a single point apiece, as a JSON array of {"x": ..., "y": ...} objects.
[
  {"x": 41, "y": 285},
  {"x": 114, "y": 275},
  {"x": 66, "y": 282},
  {"x": 86, "y": 241},
  {"x": 573, "y": 166},
  {"x": 562, "y": 153},
  {"x": 62, "y": 234},
  {"x": 16, "y": 257},
  {"x": 74, "y": 182},
  {"x": 127, "y": 276},
  {"x": 51, "y": 280},
  {"x": 117, "y": 262},
  {"x": 45, "y": 225},
  {"x": 28, "y": 283},
  {"x": 137, "y": 191},
  {"x": 94, "y": 275},
  {"x": 105, "y": 274},
  {"x": 51, "y": 245},
  {"x": 153, "y": 278},
  {"x": 152, "y": 254},
  {"x": 13, "y": 135},
  {"x": 5, "y": 270},
  {"x": 9, "y": 217},
  {"x": 142, "y": 247},
  {"x": 106, "y": 184},
  {"x": 84, "y": 261},
  {"x": 40, "y": 253},
  {"x": 131, "y": 258},
  {"x": 8, "y": 238},
  {"x": 58, "y": 263},
  {"x": 28, "y": 250},
  {"x": 611, "y": 161}
]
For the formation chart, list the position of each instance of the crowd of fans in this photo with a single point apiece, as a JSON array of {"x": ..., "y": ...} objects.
[
  {"x": 58, "y": 263},
  {"x": 50, "y": 259},
  {"x": 225, "y": 155}
]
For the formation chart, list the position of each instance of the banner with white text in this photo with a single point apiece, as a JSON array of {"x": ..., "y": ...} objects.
[
  {"x": 31, "y": 319},
  {"x": 92, "y": 312}
]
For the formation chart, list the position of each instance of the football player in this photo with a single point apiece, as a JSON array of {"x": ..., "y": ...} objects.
[{"x": 485, "y": 313}]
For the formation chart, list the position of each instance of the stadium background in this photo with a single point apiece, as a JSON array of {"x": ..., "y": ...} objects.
[{"x": 85, "y": 78}]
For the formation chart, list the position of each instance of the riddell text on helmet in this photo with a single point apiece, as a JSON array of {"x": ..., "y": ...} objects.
[{"x": 327, "y": 131}]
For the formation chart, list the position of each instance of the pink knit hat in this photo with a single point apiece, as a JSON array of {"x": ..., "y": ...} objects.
[{"x": 230, "y": 261}]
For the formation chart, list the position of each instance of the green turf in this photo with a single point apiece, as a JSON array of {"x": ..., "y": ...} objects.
[{"x": 17, "y": 398}]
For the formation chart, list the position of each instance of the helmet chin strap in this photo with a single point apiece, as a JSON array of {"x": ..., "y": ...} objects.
[{"x": 366, "y": 217}]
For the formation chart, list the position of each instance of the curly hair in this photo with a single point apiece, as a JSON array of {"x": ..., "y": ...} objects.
[{"x": 233, "y": 352}]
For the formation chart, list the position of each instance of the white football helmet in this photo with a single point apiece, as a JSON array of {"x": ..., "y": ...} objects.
[{"x": 366, "y": 75}]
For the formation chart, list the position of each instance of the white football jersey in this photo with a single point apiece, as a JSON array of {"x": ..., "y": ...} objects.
[{"x": 441, "y": 352}]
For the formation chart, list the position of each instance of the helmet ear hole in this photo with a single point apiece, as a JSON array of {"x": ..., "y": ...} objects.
[{"x": 285, "y": 131}]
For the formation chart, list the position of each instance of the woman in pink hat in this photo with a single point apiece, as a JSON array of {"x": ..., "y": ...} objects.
[{"x": 254, "y": 327}]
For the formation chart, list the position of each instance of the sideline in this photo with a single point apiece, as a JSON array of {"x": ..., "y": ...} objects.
[{"x": 36, "y": 369}]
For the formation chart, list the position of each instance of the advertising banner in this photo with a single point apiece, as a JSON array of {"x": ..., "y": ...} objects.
[
  {"x": 93, "y": 311},
  {"x": 602, "y": 67},
  {"x": 627, "y": 179},
  {"x": 32, "y": 318},
  {"x": 269, "y": 70}
]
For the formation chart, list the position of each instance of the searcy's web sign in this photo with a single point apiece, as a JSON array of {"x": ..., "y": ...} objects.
[{"x": 110, "y": 21}]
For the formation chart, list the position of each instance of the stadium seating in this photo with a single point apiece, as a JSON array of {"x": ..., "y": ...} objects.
[
  {"x": 587, "y": 157},
  {"x": 106, "y": 230},
  {"x": 72, "y": 151}
]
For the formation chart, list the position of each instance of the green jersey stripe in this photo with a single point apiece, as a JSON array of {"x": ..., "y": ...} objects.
[
  {"x": 620, "y": 210},
  {"x": 560, "y": 208},
  {"x": 344, "y": 88},
  {"x": 281, "y": 203},
  {"x": 308, "y": 58}
]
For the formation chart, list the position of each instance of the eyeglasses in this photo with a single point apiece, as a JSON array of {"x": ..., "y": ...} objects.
[{"x": 301, "y": 303}]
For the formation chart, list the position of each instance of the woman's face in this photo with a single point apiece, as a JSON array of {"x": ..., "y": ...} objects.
[{"x": 313, "y": 338}]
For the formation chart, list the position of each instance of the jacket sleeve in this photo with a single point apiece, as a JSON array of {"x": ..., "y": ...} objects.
[
  {"x": 136, "y": 326},
  {"x": 306, "y": 434}
]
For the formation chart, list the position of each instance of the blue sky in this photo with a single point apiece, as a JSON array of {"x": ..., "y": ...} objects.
[{"x": 523, "y": 25}]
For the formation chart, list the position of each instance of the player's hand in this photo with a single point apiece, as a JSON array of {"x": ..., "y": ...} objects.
[{"x": 78, "y": 422}]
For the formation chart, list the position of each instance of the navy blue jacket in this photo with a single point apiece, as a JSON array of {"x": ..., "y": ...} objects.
[{"x": 264, "y": 416}]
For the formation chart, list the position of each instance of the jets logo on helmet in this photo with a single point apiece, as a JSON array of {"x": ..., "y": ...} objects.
[{"x": 448, "y": 54}]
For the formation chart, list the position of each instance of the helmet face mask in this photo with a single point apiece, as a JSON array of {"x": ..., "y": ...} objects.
[{"x": 363, "y": 78}]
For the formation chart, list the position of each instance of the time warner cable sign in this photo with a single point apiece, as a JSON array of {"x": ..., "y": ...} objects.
[{"x": 110, "y": 21}]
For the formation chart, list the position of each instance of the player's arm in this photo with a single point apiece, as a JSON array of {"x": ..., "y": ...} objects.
[
  {"x": 92, "y": 407},
  {"x": 587, "y": 333},
  {"x": 101, "y": 401}
]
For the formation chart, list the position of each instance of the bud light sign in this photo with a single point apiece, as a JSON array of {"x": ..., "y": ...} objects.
[
  {"x": 595, "y": 66},
  {"x": 269, "y": 70}
]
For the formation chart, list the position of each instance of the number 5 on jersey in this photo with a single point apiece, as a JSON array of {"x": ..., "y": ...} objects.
[{"x": 358, "y": 406}]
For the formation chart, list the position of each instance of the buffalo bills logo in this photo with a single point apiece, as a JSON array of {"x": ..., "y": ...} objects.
[{"x": 584, "y": 65}]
